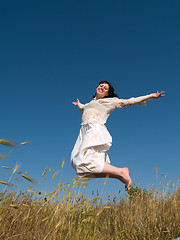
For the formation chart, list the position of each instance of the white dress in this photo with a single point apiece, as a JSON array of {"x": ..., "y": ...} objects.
[{"x": 90, "y": 151}]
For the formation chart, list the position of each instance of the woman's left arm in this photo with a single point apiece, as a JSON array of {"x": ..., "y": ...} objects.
[
  {"x": 157, "y": 95},
  {"x": 138, "y": 100}
]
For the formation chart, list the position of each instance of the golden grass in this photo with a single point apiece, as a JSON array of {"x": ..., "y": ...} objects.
[
  {"x": 142, "y": 215},
  {"x": 65, "y": 215}
]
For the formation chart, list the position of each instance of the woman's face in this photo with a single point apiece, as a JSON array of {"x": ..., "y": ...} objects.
[{"x": 102, "y": 90}]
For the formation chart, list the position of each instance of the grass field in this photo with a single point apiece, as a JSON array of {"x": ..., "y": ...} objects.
[{"x": 63, "y": 214}]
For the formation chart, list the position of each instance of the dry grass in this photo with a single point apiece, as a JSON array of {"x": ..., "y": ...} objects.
[
  {"x": 63, "y": 215},
  {"x": 140, "y": 216}
]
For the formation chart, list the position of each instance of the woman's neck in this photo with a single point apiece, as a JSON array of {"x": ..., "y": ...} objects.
[{"x": 97, "y": 97}]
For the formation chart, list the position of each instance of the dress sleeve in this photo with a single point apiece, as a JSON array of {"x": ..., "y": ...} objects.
[
  {"x": 120, "y": 103},
  {"x": 81, "y": 107}
]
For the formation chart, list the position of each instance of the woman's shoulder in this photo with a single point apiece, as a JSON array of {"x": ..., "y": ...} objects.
[
  {"x": 111, "y": 99},
  {"x": 108, "y": 102}
]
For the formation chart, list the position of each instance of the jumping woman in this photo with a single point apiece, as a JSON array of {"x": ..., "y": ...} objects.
[{"x": 89, "y": 156}]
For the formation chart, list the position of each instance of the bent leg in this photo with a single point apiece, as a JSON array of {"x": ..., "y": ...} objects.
[{"x": 121, "y": 174}]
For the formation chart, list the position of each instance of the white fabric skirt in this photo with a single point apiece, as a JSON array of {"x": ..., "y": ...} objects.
[{"x": 89, "y": 153}]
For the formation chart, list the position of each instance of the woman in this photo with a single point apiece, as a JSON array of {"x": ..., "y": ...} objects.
[{"x": 89, "y": 157}]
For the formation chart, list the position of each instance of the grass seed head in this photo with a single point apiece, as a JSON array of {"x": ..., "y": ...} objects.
[
  {"x": 56, "y": 173},
  {"x": 27, "y": 178},
  {"x": 16, "y": 168},
  {"x": 63, "y": 162},
  {"x": 5, "y": 167},
  {"x": 45, "y": 170},
  {"x": 7, "y": 143},
  {"x": 105, "y": 181},
  {"x": 5, "y": 183},
  {"x": 24, "y": 143}
]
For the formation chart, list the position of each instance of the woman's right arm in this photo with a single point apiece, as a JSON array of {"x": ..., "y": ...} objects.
[
  {"x": 76, "y": 103},
  {"x": 80, "y": 105}
]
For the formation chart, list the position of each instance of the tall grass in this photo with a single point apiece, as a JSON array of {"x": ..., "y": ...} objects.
[{"x": 66, "y": 214}]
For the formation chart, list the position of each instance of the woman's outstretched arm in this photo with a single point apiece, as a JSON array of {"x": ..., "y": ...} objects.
[
  {"x": 80, "y": 105},
  {"x": 157, "y": 95},
  {"x": 120, "y": 103},
  {"x": 76, "y": 103}
]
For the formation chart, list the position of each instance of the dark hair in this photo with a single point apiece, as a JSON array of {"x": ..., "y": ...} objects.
[{"x": 111, "y": 90}]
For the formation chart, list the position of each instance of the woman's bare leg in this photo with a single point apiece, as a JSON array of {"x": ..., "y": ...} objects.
[{"x": 114, "y": 172}]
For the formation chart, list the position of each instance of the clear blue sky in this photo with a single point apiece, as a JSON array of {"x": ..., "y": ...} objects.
[{"x": 52, "y": 52}]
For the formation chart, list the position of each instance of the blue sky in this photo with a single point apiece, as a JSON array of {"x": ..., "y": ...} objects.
[{"x": 53, "y": 52}]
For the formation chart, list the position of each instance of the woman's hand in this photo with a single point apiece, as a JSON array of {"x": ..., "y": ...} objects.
[
  {"x": 157, "y": 95},
  {"x": 76, "y": 103}
]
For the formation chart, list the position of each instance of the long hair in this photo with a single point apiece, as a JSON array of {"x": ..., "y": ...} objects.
[{"x": 111, "y": 92}]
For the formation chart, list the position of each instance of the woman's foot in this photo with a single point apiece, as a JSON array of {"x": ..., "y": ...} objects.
[
  {"x": 125, "y": 178},
  {"x": 128, "y": 185},
  {"x": 119, "y": 173}
]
